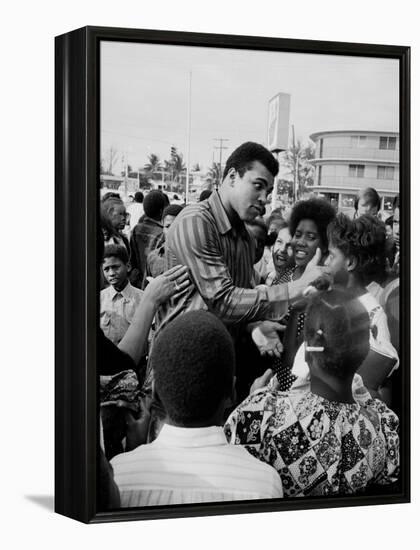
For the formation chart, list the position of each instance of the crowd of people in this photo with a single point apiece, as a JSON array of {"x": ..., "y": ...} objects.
[{"x": 245, "y": 355}]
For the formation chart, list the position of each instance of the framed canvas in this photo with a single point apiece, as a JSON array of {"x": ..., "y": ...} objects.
[{"x": 336, "y": 118}]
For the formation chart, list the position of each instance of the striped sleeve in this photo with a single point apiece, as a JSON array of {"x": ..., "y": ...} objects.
[{"x": 196, "y": 243}]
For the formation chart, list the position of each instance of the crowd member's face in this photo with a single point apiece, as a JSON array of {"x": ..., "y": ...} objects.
[
  {"x": 337, "y": 265},
  {"x": 117, "y": 216},
  {"x": 115, "y": 272},
  {"x": 167, "y": 222},
  {"x": 248, "y": 194},
  {"x": 365, "y": 207},
  {"x": 396, "y": 227},
  {"x": 305, "y": 241},
  {"x": 281, "y": 248}
]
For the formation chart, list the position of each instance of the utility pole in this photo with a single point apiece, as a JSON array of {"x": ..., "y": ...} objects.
[
  {"x": 220, "y": 148},
  {"x": 187, "y": 182},
  {"x": 296, "y": 168}
]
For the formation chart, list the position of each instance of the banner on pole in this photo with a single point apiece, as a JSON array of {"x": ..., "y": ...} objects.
[{"x": 278, "y": 122}]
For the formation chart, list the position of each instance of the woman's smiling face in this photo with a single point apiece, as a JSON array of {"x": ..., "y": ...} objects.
[{"x": 305, "y": 241}]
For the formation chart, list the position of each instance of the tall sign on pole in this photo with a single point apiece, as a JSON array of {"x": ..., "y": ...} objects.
[{"x": 278, "y": 130}]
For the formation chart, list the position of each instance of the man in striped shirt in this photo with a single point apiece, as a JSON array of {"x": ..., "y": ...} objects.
[
  {"x": 211, "y": 239},
  {"x": 190, "y": 461}
]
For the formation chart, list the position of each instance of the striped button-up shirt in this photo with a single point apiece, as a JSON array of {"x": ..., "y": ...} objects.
[
  {"x": 220, "y": 258},
  {"x": 189, "y": 465}
]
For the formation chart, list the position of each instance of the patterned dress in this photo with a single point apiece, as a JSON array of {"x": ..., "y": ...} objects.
[
  {"x": 282, "y": 370},
  {"x": 319, "y": 447}
]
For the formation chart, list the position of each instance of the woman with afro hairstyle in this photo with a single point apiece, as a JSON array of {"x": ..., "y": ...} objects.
[{"x": 308, "y": 224}]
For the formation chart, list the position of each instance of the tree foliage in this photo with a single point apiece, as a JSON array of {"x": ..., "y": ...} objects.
[{"x": 297, "y": 160}]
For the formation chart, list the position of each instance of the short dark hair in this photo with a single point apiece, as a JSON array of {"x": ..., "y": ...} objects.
[
  {"x": 153, "y": 205},
  {"x": 205, "y": 194},
  {"x": 138, "y": 196},
  {"x": 172, "y": 210},
  {"x": 337, "y": 321},
  {"x": 116, "y": 251},
  {"x": 242, "y": 158},
  {"x": 193, "y": 362},
  {"x": 364, "y": 239},
  {"x": 316, "y": 209},
  {"x": 371, "y": 196},
  {"x": 111, "y": 195}
]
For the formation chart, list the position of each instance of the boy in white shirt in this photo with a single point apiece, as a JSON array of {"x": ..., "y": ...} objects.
[{"x": 120, "y": 300}]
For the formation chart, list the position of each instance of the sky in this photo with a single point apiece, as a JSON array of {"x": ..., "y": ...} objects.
[{"x": 145, "y": 91}]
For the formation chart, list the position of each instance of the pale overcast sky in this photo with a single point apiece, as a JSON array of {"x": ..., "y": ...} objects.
[{"x": 144, "y": 97}]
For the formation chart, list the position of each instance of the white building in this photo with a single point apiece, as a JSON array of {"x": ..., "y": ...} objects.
[{"x": 347, "y": 161}]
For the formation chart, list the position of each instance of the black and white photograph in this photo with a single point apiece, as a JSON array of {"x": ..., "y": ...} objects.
[{"x": 249, "y": 254}]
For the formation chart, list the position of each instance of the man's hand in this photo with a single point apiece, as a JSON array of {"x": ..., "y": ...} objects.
[{"x": 266, "y": 338}]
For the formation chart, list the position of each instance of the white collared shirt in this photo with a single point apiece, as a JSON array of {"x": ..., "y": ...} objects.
[
  {"x": 189, "y": 465},
  {"x": 117, "y": 310},
  {"x": 379, "y": 340}
]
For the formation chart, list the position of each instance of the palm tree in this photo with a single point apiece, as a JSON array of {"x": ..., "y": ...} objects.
[
  {"x": 153, "y": 165},
  {"x": 214, "y": 174},
  {"x": 178, "y": 167},
  {"x": 298, "y": 158}
]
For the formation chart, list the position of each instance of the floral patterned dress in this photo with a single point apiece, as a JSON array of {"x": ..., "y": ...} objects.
[{"x": 319, "y": 447}]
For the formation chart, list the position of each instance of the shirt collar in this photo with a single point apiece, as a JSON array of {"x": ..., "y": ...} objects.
[
  {"x": 174, "y": 436},
  {"x": 219, "y": 212},
  {"x": 151, "y": 221},
  {"x": 125, "y": 293}
]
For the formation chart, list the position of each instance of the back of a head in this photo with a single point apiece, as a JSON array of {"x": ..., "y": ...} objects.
[
  {"x": 364, "y": 239},
  {"x": 172, "y": 210},
  {"x": 138, "y": 197},
  {"x": 337, "y": 321},
  {"x": 242, "y": 158},
  {"x": 193, "y": 363},
  {"x": 153, "y": 204}
]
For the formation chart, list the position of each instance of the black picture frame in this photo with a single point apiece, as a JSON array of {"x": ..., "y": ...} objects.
[{"x": 76, "y": 203}]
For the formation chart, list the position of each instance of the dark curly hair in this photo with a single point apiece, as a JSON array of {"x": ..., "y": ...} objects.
[
  {"x": 193, "y": 362},
  {"x": 319, "y": 211},
  {"x": 154, "y": 204},
  {"x": 337, "y": 321},
  {"x": 172, "y": 210},
  {"x": 364, "y": 239},
  {"x": 116, "y": 251},
  {"x": 242, "y": 158}
]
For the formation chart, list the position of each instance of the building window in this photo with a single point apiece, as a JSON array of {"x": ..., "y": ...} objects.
[
  {"x": 385, "y": 173},
  {"x": 358, "y": 141},
  {"x": 356, "y": 170},
  {"x": 387, "y": 143},
  {"x": 348, "y": 200},
  {"x": 319, "y": 175}
]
